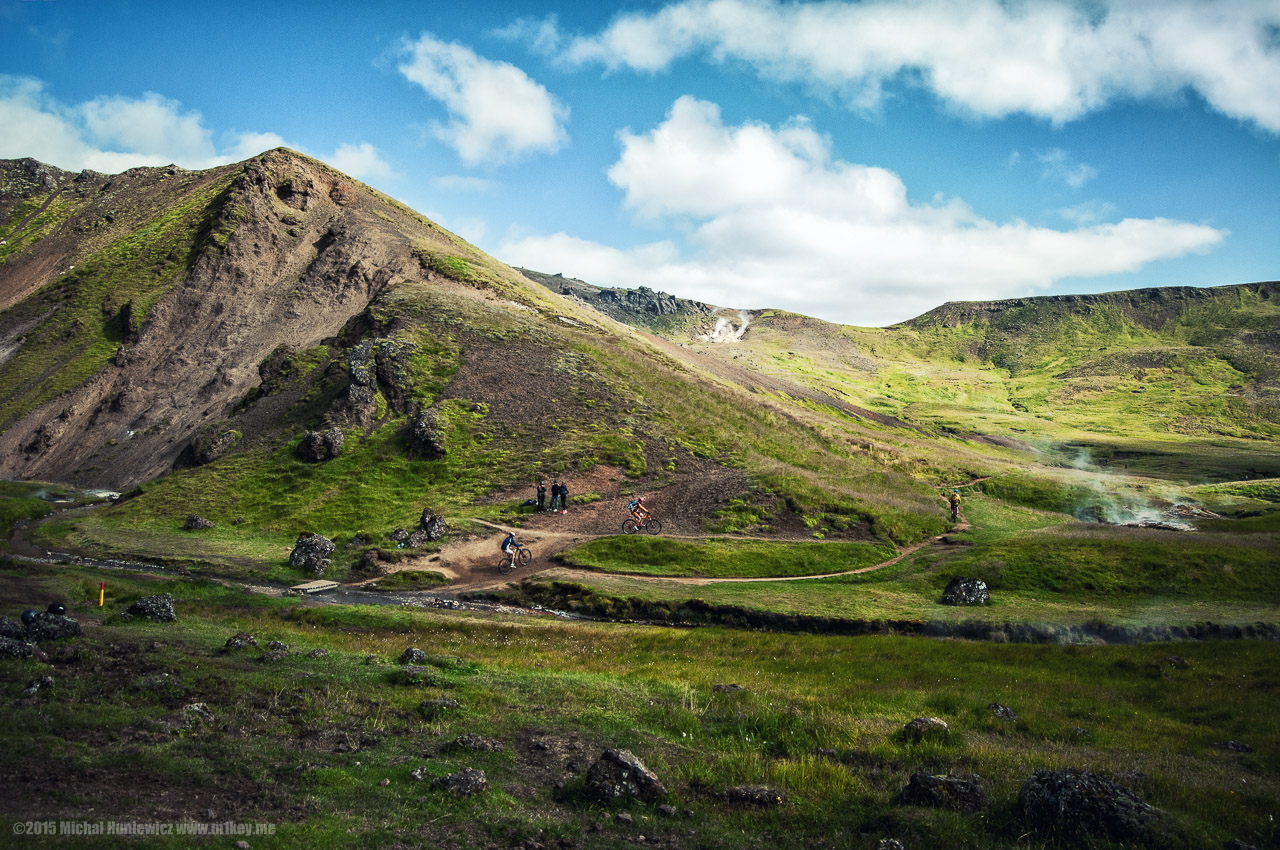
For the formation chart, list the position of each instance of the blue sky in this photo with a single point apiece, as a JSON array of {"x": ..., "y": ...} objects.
[{"x": 861, "y": 162}]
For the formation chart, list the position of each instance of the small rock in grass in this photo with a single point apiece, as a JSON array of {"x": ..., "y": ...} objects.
[
  {"x": 240, "y": 640},
  {"x": 463, "y": 783},
  {"x": 413, "y": 655},
  {"x": 158, "y": 609},
  {"x": 925, "y": 727},
  {"x": 319, "y": 652},
  {"x": 759, "y": 796},
  {"x": 476, "y": 743},
  {"x": 958, "y": 793},
  {"x": 618, "y": 774},
  {"x": 625, "y": 818},
  {"x": 1003, "y": 712}
]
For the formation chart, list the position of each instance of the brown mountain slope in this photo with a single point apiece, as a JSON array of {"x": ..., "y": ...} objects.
[{"x": 280, "y": 252}]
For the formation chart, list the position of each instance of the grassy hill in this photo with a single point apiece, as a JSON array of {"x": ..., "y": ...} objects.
[{"x": 187, "y": 337}]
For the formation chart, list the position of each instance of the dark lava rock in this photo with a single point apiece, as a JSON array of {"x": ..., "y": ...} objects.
[
  {"x": 398, "y": 536},
  {"x": 667, "y": 810},
  {"x": 240, "y": 640},
  {"x": 618, "y": 774},
  {"x": 319, "y": 652},
  {"x": 1234, "y": 746},
  {"x": 426, "y": 437},
  {"x": 413, "y": 655},
  {"x": 46, "y": 626},
  {"x": 433, "y": 708},
  {"x": 195, "y": 522},
  {"x": 158, "y": 609},
  {"x": 890, "y": 844},
  {"x": 311, "y": 553},
  {"x": 12, "y": 629},
  {"x": 958, "y": 793},
  {"x": 759, "y": 796},
  {"x": 1004, "y": 712},
  {"x": 727, "y": 689},
  {"x": 209, "y": 445},
  {"x": 319, "y": 446},
  {"x": 433, "y": 525},
  {"x": 1078, "y": 804},
  {"x": 925, "y": 727},
  {"x": 475, "y": 743},
  {"x": 418, "y": 539},
  {"x": 10, "y": 648},
  {"x": 464, "y": 783},
  {"x": 966, "y": 591}
]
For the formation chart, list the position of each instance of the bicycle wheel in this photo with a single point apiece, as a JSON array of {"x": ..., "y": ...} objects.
[
  {"x": 629, "y": 526},
  {"x": 653, "y": 526},
  {"x": 504, "y": 566},
  {"x": 525, "y": 557}
]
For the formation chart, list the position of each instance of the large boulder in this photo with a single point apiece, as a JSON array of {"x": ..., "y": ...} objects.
[
  {"x": 966, "y": 591},
  {"x": 158, "y": 609},
  {"x": 1074, "y": 804},
  {"x": 11, "y": 648},
  {"x": 311, "y": 553},
  {"x": 12, "y": 629},
  {"x": 319, "y": 446},
  {"x": 433, "y": 525},
  {"x": 958, "y": 793},
  {"x": 48, "y": 626},
  {"x": 426, "y": 436},
  {"x": 195, "y": 522},
  {"x": 618, "y": 774}
]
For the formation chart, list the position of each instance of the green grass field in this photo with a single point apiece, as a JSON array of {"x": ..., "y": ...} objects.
[{"x": 305, "y": 744}]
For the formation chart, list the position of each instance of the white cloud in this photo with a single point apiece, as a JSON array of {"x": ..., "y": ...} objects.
[
  {"x": 540, "y": 36},
  {"x": 1051, "y": 59},
  {"x": 775, "y": 221},
  {"x": 1059, "y": 167},
  {"x": 113, "y": 133},
  {"x": 361, "y": 161},
  {"x": 497, "y": 113}
]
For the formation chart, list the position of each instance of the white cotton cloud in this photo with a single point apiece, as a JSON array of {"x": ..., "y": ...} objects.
[
  {"x": 361, "y": 161},
  {"x": 775, "y": 221},
  {"x": 497, "y": 113},
  {"x": 114, "y": 133},
  {"x": 1051, "y": 59}
]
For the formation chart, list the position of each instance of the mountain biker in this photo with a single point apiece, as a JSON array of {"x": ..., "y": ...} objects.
[
  {"x": 509, "y": 544},
  {"x": 954, "y": 501},
  {"x": 638, "y": 511}
]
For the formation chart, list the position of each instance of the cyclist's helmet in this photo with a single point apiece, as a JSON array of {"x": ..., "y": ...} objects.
[{"x": 640, "y": 500}]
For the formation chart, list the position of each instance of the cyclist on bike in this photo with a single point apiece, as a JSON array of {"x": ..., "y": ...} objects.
[
  {"x": 509, "y": 544},
  {"x": 638, "y": 511}
]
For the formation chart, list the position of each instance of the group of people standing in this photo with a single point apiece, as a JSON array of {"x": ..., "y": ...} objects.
[{"x": 559, "y": 496}]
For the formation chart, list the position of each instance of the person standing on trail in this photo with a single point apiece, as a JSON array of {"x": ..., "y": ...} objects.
[
  {"x": 954, "y": 501},
  {"x": 542, "y": 495},
  {"x": 555, "y": 495},
  {"x": 564, "y": 498}
]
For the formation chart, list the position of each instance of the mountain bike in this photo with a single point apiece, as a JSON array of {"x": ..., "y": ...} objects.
[
  {"x": 520, "y": 556},
  {"x": 631, "y": 526}
]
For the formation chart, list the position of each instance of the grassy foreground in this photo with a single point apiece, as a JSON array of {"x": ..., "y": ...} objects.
[{"x": 305, "y": 744}]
